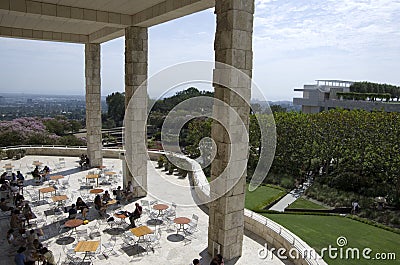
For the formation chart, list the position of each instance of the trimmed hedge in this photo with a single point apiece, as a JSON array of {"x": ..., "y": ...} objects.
[{"x": 376, "y": 224}]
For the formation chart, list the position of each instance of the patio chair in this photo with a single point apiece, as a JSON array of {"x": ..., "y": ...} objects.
[
  {"x": 172, "y": 210},
  {"x": 95, "y": 230},
  {"x": 82, "y": 233},
  {"x": 108, "y": 247},
  {"x": 148, "y": 209},
  {"x": 193, "y": 222},
  {"x": 154, "y": 240},
  {"x": 127, "y": 239},
  {"x": 192, "y": 226},
  {"x": 70, "y": 256},
  {"x": 169, "y": 222},
  {"x": 61, "y": 162}
]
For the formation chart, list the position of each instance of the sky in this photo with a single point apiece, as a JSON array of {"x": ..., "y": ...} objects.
[{"x": 295, "y": 42}]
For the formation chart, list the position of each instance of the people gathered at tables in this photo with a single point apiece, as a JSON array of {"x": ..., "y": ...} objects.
[{"x": 23, "y": 237}]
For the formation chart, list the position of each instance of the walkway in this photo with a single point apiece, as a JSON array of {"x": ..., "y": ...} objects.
[{"x": 290, "y": 198}]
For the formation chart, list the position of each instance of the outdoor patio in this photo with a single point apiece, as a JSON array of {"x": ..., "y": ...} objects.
[{"x": 116, "y": 242}]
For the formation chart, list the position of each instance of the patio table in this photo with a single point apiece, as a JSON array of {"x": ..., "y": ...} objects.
[
  {"x": 56, "y": 177},
  {"x": 181, "y": 221},
  {"x": 73, "y": 223},
  {"x": 96, "y": 191},
  {"x": 160, "y": 208},
  {"x": 86, "y": 246},
  {"x": 140, "y": 232},
  {"x": 46, "y": 190},
  {"x": 93, "y": 176}
]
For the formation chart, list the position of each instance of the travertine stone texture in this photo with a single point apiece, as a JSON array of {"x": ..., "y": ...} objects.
[
  {"x": 136, "y": 108},
  {"x": 93, "y": 105},
  {"x": 233, "y": 47}
]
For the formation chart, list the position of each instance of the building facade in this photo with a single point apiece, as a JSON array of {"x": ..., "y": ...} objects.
[{"x": 323, "y": 96}]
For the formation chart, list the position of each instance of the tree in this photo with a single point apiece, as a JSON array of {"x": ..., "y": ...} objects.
[{"x": 116, "y": 107}]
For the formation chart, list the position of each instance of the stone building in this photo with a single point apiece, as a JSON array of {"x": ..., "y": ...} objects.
[{"x": 323, "y": 96}]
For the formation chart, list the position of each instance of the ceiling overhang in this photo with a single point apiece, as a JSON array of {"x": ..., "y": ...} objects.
[{"x": 88, "y": 21}]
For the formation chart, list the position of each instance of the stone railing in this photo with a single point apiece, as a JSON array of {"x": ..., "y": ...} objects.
[{"x": 58, "y": 150}]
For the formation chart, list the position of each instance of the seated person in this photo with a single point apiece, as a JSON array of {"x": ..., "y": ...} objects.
[
  {"x": 106, "y": 196},
  {"x": 10, "y": 236},
  {"x": 19, "y": 200},
  {"x": 20, "y": 257},
  {"x": 136, "y": 214},
  {"x": 30, "y": 257},
  {"x": 3, "y": 178},
  {"x": 14, "y": 189},
  {"x": 15, "y": 220},
  {"x": 46, "y": 170},
  {"x": 36, "y": 174},
  {"x": 13, "y": 178},
  {"x": 3, "y": 205},
  {"x": 14, "y": 238},
  {"x": 129, "y": 192},
  {"x": 32, "y": 235},
  {"x": 81, "y": 160},
  {"x": 5, "y": 186},
  {"x": 44, "y": 173},
  {"x": 27, "y": 212},
  {"x": 20, "y": 176},
  {"x": 81, "y": 206},
  {"x": 98, "y": 205},
  {"x": 87, "y": 161},
  {"x": 72, "y": 212},
  {"x": 20, "y": 180},
  {"x": 37, "y": 245},
  {"x": 48, "y": 257},
  {"x": 118, "y": 193}
]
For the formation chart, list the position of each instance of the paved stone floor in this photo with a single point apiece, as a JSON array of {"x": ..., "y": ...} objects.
[{"x": 165, "y": 188}]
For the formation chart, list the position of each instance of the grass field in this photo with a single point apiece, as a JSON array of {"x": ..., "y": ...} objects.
[
  {"x": 261, "y": 197},
  {"x": 302, "y": 203},
  {"x": 321, "y": 231}
]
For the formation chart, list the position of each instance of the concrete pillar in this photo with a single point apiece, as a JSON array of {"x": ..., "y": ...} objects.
[
  {"x": 233, "y": 46},
  {"x": 136, "y": 109},
  {"x": 93, "y": 104}
]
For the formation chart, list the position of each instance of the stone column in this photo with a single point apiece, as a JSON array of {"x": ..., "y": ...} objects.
[
  {"x": 93, "y": 105},
  {"x": 233, "y": 47},
  {"x": 136, "y": 109}
]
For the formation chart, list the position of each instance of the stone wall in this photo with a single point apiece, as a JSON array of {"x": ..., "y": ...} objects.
[{"x": 67, "y": 151}]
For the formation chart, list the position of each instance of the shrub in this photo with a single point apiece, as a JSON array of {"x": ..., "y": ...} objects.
[
  {"x": 11, "y": 153},
  {"x": 2, "y": 154},
  {"x": 161, "y": 161}
]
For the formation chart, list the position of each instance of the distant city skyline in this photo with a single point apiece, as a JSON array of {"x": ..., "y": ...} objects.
[{"x": 295, "y": 42}]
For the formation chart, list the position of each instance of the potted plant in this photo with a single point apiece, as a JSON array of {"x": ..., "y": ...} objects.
[
  {"x": 161, "y": 161},
  {"x": 10, "y": 153},
  {"x": 2, "y": 154},
  {"x": 171, "y": 168}
]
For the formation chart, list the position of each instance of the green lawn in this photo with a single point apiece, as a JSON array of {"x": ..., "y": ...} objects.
[
  {"x": 261, "y": 197},
  {"x": 302, "y": 203},
  {"x": 321, "y": 231}
]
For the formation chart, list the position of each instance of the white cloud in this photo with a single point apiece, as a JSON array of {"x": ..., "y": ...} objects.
[{"x": 343, "y": 24}]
